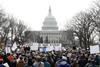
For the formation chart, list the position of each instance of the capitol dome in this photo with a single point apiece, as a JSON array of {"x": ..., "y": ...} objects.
[{"x": 50, "y": 22}]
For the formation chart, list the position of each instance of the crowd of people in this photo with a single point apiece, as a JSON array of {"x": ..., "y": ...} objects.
[{"x": 24, "y": 57}]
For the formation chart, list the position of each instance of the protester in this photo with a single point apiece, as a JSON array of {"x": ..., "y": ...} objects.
[
  {"x": 13, "y": 63},
  {"x": 67, "y": 58},
  {"x": 30, "y": 62},
  {"x": 62, "y": 62},
  {"x": 97, "y": 61},
  {"x": 20, "y": 63},
  {"x": 46, "y": 63},
  {"x": 38, "y": 62}
]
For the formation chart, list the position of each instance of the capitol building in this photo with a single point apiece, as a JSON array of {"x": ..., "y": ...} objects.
[{"x": 50, "y": 32}]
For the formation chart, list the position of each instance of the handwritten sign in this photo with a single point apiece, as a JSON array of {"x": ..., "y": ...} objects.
[{"x": 94, "y": 49}]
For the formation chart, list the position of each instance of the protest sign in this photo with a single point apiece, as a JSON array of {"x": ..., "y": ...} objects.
[
  {"x": 42, "y": 49},
  {"x": 14, "y": 47},
  {"x": 94, "y": 49},
  {"x": 57, "y": 47},
  {"x": 46, "y": 47},
  {"x": 50, "y": 48},
  {"x": 6, "y": 64},
  {"x": 34, "y": 46},
  {"x": 8, "y": 50}
]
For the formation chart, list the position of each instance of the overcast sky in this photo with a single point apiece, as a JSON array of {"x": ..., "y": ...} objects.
[{"x": 33, "y": 12}]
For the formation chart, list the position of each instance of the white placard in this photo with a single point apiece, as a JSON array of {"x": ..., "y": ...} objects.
[
  {"x": 41, "y": 49},
  {"x": 6, "y": 64},
  {"x": 34, "y": 46},
  {"x": 14, "y": 47},
  {"x": 94, "y": 49},
  {"x": 50, "y": 48},
  {"x": 57, "y": 48},
  {"x": 8, "y": 50}
]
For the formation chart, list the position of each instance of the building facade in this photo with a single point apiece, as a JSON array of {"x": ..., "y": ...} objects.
[{"x": 51, "y": 36}]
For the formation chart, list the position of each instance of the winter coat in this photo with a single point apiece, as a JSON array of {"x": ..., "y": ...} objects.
[
  {"x": 13, "y": 63},
  {"x": 38, "y": 64},
  {"x": 30, "y": 63},
  {"x": 46, "y": 64},
  {"x": 97, "y": 60},
  {"x": 20, "y": 63},
  {"x": 82, "y": 63}
]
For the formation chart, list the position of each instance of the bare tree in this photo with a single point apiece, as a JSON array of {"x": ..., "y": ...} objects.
[
  {"x": 20, "y": 33},
  {"x": 84, "y": 26},
  {"x": 96, "y": 10}
]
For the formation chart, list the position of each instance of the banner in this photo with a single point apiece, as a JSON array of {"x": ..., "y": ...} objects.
[
  {"x": 46, "y": 47},
  {"x": 94, "y": 49},
  {"x": 50, "y": 47}
]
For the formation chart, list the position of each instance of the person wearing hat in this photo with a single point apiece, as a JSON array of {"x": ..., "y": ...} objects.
[{"x": 38, "y": 62}]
